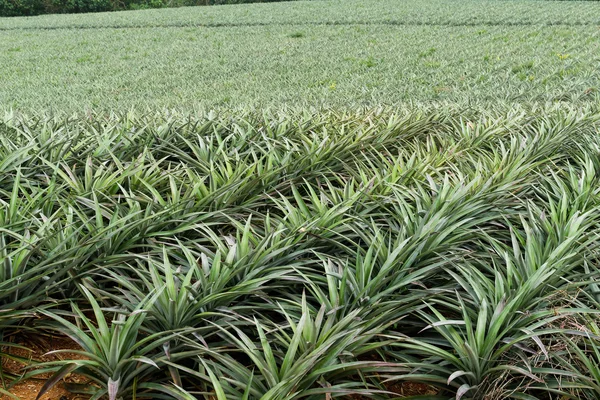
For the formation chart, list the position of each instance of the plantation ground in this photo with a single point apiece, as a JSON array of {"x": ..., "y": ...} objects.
[
  {"x": 465, "y": 53},
  {"x": 328, "y": 199}
]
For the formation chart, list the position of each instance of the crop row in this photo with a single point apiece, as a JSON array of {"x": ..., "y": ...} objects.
[{"x": 266, "y": 256}]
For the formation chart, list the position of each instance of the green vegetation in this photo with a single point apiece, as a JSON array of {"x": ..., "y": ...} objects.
[
  {"x": 309, "y": 255},
  {"x": 304, "y": 54},
  {"x": 341, "y": 198}
]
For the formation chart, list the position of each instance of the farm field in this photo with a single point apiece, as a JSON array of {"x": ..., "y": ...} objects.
[
  {"x": 302, "y": 256},
  {"x": 304, "y": 54},
  {"x": 309, "y": 200}
]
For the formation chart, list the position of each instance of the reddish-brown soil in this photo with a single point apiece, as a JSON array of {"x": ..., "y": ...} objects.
[
  {"x": 412, "y": 389},
  {"x": 405, "y": 389},
  {"x": 28, "y": 389}
]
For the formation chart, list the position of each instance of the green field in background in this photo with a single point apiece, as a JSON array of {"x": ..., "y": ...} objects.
[{"x": 304, "y": 54}]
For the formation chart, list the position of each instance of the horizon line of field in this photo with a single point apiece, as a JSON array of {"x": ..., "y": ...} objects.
[{"x": 265, "y": 24}]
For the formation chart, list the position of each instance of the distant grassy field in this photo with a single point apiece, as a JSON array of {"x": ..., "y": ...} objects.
[{"x": 315, "y": 53}]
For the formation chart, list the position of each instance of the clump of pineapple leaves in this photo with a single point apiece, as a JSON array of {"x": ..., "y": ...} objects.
[{"x": 313, "y": 255}]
